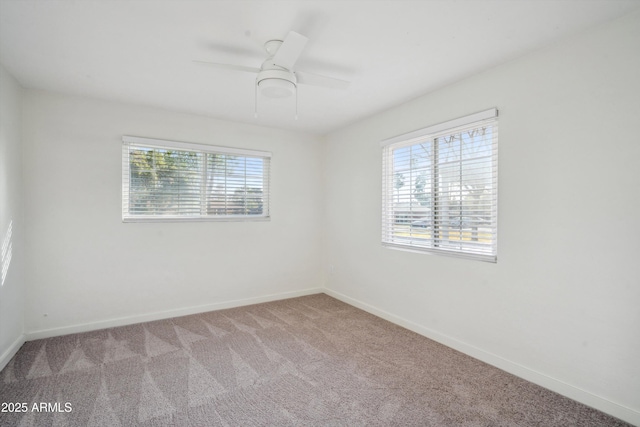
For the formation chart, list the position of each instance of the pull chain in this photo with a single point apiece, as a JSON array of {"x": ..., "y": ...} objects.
[{"x": 255, "y": 111}]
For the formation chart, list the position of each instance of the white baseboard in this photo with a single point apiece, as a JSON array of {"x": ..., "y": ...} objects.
[
  {"x": 122, "y": 321},
  {"x": 11, "y": 351},
  {"x": 619, "y": 411}
]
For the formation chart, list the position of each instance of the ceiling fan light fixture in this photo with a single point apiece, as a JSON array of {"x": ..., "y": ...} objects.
[
  {"x": 276, "y": 88},
  {"x": 276, "y": 83}
]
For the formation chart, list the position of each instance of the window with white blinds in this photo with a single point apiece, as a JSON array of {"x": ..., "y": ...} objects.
[
  {"x": 440, "y": 188},
  {"x": 177, "y": 181}
]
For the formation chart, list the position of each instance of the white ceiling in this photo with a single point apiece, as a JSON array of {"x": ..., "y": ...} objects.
[{"x": 142, "y": 51}]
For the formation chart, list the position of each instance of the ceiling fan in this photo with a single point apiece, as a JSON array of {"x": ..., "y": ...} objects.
[{"x": 276, "y": 77}]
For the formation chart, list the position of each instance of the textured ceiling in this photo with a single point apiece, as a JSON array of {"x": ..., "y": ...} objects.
[{"x": 142, "y": 51}]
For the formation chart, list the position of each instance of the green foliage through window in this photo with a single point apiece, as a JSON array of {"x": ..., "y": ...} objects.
[{"x": 172, "y": 183}]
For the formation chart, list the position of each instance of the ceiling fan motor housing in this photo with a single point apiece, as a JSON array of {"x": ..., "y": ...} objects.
[{"x": 272, "y": 47}]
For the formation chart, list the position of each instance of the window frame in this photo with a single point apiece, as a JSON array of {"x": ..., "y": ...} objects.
[
  {"x": 435, "y": 243},
  {"x": 204, "y": 149}
]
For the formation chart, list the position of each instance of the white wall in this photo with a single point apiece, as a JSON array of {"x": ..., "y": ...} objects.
[
  {"x": 559, "y": 308},
  {"x": 13, "y": 290},
  {"x": 86, "y": 269},
  {"x": 562, "y": 305}
]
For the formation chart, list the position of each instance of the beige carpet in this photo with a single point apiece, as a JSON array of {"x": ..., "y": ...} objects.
[{"x": 309, "y": 361}]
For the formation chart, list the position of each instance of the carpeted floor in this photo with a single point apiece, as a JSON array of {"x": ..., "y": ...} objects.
[{"x": 309, "y": 361}]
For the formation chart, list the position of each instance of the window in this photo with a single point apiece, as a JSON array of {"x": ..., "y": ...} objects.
[
  {"x": 176, "y": 181},
  {"x": 440, "y": 188}
]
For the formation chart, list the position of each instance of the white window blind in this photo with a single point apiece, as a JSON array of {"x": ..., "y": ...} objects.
[
  {"x": 440, "y": 188},
  {"x": 177, "y": 181}
]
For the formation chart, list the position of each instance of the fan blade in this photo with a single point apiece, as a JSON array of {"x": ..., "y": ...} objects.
[
  {"x": 291, "y": 48},
  {"x": 231, "y": 67},
  {"x": 317, "y": 80}
]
